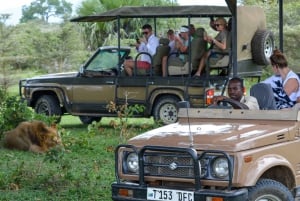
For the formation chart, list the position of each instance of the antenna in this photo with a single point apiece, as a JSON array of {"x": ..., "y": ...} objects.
[{"x": 186, "y": 104}]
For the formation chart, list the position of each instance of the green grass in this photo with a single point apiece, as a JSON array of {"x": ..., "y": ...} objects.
[{"x": 84, "y": 171}]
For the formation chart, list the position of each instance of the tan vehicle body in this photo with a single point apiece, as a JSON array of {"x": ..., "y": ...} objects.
[{"x": 262, "y": 144}]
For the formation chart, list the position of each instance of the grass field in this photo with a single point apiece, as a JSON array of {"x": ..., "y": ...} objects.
[{"x": 83, "y": 171}]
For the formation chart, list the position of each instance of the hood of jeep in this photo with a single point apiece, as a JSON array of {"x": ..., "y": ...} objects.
[
  {"x": 56, "y": 75},
  {"x": 217, "y": 136}
]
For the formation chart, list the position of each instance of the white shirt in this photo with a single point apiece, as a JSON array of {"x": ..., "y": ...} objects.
[
  {"x": 150, "y": 48},
  {"x": 281, "y": 98},
  {"x": 251, "y": 102}
]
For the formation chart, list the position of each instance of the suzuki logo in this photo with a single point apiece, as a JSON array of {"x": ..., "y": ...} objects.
[{"x": 173, "y": 166}]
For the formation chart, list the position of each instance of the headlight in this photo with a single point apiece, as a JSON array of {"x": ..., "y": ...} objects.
[
  {"x": 220, "y": 167},
  {"x": 132, "y": 162}
]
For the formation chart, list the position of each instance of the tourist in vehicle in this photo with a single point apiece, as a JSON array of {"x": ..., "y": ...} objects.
[
  {"x": 235, "y": 92},
  {"x": 212, "y": 23},
  {"x": 182, "y": 42},
  {"x": 148, "y": 44},
  {"x": 173, "y": 50},
  {"x": 171, "y": 36},
  {"x": 285, "y": 83},
  {"x": 218, "y": 44},
  {"x": 181, "y": 46},
  {"x": 192, "y": 30}
]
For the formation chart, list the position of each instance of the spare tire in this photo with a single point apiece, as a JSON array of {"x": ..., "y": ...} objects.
[{"x": 262, "y": 46}]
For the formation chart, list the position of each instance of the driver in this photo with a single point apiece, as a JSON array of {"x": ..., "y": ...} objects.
[{"x": 235, "y": 92}]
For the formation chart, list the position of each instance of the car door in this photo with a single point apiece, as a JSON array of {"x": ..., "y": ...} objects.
[{"x": 95, "y": 86}]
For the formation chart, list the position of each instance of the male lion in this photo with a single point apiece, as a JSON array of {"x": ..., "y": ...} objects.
[{"x": 33, "y": 136}]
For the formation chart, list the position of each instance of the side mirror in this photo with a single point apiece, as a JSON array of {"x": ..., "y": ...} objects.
[{"x": 81, "y": 70}]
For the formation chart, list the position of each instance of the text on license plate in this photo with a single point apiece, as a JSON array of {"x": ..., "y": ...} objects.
[{"x": 169, "y": 195}]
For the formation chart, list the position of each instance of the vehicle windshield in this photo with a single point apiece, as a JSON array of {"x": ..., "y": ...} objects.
[{"x": 105, "y": 60}]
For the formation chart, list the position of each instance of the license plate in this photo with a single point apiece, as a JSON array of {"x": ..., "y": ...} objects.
[{"x": 169, "y": 195}]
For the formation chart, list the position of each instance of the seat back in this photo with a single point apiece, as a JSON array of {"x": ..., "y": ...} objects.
[
  {"x": 162, "y": 50},
  {"x": 264, "y": 94},
  {"x": 198, "y": 47}
]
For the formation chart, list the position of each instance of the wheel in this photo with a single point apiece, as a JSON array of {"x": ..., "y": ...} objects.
[
  {"x": 49, "y": 106},
  {"x": 235, "y": 104},
  {"x": 262, "y": 46},
  {"x": 269, "y": 190},
  {"x": 165, "y": 109},
  {"x": 88, "y": 119}
]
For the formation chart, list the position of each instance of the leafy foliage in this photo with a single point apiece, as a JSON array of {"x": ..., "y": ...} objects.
[
  {"x": 13, "y": 111},
  {"x": 96, "y": 34},
  {"x": 44, "y": 9},
  {"x": 51, "y": 47}
]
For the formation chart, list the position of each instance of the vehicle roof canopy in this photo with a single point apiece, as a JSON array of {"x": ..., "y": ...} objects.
[{"x": 155, "y": 11}]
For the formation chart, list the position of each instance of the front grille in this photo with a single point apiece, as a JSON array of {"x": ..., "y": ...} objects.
[{"x": 168, "y": 165}]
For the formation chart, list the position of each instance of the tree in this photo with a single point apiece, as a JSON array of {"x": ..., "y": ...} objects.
[
  {"x": 7, "y": 44},
  {"x": 95, "y": 34},
  {"x": 44, "y": 9}
]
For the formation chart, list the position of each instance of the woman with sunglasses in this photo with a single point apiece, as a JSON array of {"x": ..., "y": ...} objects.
[
  {"x": 148, "y": 44},
  {"x": 218, "y": 44},
  {"x": 285, "y": 83}
]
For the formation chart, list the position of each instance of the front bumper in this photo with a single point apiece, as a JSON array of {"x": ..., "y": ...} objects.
[{"x": 139, "y": 193}]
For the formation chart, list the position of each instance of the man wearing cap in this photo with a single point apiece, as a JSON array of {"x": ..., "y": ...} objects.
[
  {"x": 147, "y": 44},
  {"x": 182, "y": 42}
]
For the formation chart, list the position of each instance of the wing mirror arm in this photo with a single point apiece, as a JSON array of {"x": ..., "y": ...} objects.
[{"x": 81, "y": 71}]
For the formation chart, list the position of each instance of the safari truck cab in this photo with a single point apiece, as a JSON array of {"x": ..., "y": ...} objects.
[
  {"x": 101, "y": 80},
  {"x": 213, "y": 155}
]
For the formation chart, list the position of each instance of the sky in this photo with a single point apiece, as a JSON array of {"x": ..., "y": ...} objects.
[{"x": 14, "y": 7}]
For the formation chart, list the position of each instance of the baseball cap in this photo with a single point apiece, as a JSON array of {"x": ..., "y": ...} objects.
[{"x": 184, "y": 29}]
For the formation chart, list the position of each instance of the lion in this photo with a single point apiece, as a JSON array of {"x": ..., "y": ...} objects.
[{"x": 34, "y": 136}]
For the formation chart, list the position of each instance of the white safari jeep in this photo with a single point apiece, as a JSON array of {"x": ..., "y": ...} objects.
[{"x": 213, "y": 155}]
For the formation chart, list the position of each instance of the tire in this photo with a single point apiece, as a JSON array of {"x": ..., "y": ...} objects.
[
  {"x": 89, "y": 120},
  {"x": 49, "y": 106},
  {"x": 165, "y": 109},
  {"x": 267, "y": 189},
  {"x": 262, "y": 46}
]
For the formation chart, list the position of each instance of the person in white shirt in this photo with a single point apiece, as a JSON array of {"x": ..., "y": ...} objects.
[
  {"x": 285, "y": 83},
  {"x": 146, "y": 44}
]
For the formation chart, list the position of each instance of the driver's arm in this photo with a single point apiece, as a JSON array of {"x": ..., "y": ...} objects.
[{"x": 216, "y": 99}]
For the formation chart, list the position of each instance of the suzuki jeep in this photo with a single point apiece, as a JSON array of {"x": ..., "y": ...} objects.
[{"x": 213, "y": 155}]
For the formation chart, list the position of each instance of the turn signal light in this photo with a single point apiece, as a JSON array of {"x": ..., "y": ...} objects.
[
  {"x": 209, "y": 96},
  {"x": 217, "y": 199},
  {"x": 247, "y": 159},
  {"x": 214, "y": 199},
  {"x": 125, "y": 192}
]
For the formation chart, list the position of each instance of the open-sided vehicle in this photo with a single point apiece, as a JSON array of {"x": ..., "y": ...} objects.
[{"x": 101, "y": 80}]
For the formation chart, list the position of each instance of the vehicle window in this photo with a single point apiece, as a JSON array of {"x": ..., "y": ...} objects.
[{"x": 105, "y": 60}]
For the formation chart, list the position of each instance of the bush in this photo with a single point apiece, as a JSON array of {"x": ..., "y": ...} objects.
[{"x": 13, "y": 111}]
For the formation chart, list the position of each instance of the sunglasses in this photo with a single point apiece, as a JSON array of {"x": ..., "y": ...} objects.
[
  {"x": 218, "y": 25},
  {"x": 145, "y": 33}
]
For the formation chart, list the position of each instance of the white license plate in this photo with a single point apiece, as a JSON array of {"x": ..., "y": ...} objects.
[{"x": 169, "y": 195}]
